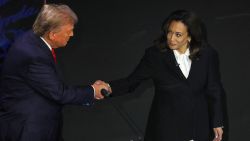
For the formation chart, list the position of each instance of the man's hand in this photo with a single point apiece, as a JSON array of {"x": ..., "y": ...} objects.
[
  {"x": 218, "y": 134},
  {"x": 98, "y": 86}
]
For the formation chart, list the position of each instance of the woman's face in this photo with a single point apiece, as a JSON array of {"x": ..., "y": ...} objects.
[{"x": 177, "y": 36}]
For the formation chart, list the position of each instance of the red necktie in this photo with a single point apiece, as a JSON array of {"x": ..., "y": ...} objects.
[{"x": 53, "y": 54}]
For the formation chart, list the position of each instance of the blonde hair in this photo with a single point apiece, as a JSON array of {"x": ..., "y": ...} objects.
[{"x": 52, "y": 17}]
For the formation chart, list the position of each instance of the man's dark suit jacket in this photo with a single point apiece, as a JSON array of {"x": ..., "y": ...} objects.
[
  {"x": 32, "y": 93},
  {"x": 182, "y": 109}
]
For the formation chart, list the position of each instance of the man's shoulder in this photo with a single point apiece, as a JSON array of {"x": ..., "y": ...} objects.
[
  {"x": 25, "y": 41},
  {"x": 25, "y": 44},
  {"x": 27, "y": 35}
]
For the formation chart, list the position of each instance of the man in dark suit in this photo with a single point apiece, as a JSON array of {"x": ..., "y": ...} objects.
[
  {"x": 32, "y": 92},
  {"x": 185, "y": 71}
]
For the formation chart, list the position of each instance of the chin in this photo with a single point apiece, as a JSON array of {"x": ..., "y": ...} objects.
[
  {"x": 64, "y": 45},
  {"x": 172, "y": 47}
]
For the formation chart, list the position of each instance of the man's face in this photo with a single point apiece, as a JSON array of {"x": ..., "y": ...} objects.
[
  {"x": 62, "y": 35},
  {"x": 177, "y": 36}
]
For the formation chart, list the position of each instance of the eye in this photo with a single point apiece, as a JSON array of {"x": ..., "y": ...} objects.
[{"x": 178, "y": 34}]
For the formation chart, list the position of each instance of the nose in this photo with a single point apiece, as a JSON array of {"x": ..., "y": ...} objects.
[{"x": 170, "y": 36}]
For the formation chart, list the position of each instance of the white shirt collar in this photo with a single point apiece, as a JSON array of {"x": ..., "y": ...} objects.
[
  {"x": 46, "y": 43},
  {"x": 177, "y": 54}
]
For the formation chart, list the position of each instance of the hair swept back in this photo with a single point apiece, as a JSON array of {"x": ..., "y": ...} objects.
[{"x": 52, "y": 17}]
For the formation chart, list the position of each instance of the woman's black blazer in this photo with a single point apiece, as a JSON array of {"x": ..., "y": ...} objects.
[{"x": 182, "y": 108}]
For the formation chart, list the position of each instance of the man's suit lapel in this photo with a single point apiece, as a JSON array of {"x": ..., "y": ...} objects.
[{"x": 45, "y": 49}]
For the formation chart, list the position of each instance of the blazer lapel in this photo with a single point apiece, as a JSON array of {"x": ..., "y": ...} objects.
[
  {"x": 170, "y": 61},
  {"x": 193, "y": 69}
]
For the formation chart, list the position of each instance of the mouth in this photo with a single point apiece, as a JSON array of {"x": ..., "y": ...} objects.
[{"x": 171, "y": 44}]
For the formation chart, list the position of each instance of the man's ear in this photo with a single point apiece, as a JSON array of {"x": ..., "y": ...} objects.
[{"x": 51, "y": 35}]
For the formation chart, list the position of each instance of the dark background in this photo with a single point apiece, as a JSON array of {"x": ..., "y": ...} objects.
[{"x": 109, "y": 41}]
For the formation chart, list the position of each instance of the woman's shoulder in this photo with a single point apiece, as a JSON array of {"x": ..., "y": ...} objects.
[
  {"x": 155, "y": 49},
  {"x": 208, "y": 49}
]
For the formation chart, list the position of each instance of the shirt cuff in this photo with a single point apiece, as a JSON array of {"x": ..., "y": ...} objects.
[{"x": 93, "y": 89}]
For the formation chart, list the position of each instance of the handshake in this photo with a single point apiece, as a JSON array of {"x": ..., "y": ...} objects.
[{"x": 102, "y": 89}]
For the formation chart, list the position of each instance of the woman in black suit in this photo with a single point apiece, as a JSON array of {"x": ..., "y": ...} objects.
[{"x": 188, "y": 91}]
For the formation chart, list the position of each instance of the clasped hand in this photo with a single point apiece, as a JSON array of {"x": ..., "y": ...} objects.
[{"x": 98, "y": 86}]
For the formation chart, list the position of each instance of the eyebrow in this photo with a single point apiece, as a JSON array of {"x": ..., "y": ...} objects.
[{"x": 177, "y": 32}]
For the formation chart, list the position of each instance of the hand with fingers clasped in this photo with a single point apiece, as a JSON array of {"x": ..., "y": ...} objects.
[{"x": 98, "y": 86}]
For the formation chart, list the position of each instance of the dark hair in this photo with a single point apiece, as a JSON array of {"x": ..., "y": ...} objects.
[{"x": 195, "y": 28}]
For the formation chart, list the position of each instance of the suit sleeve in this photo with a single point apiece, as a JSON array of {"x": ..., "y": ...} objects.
[
  {"x": 43, "y": 78},
  {"x": 143, "y": 71},
  {"x": 215, "y": 90}
]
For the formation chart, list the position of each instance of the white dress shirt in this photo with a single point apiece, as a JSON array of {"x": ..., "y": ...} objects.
[
  {"x": 184, "y": 61},
  {"x": 46, "y": 43}
]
